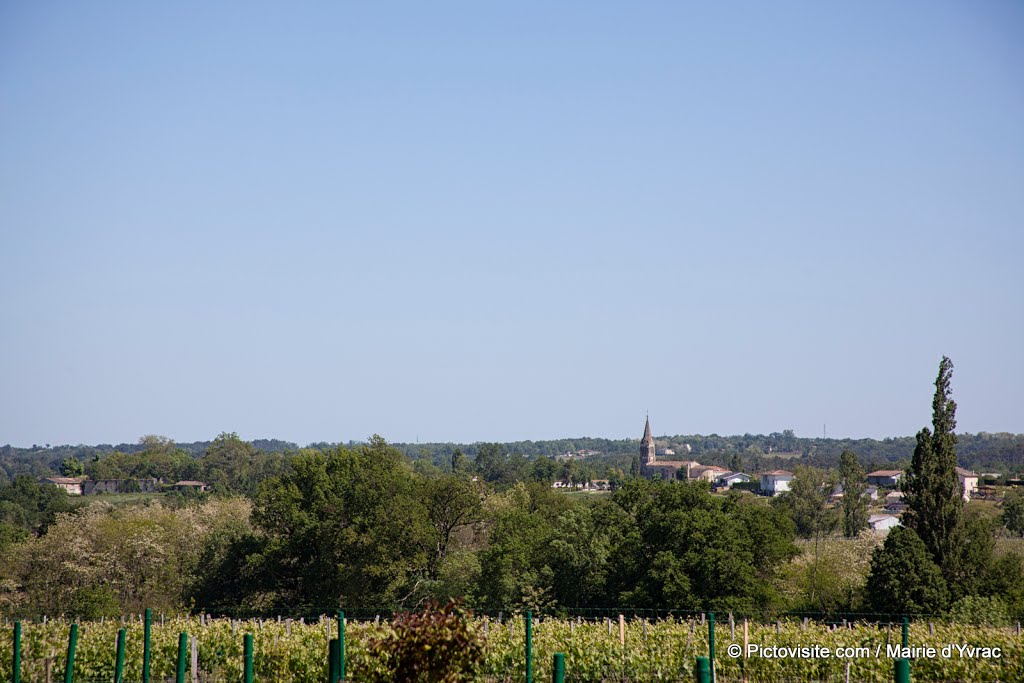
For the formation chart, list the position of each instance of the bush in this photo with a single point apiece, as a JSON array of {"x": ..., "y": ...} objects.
[
  {"x": 903, "y": 578},
  {"x": 436, "y": 645},
  {"x": 977, "y": 610}
]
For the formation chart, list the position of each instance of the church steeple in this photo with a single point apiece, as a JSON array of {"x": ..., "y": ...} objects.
[{"x": 647, "y": 444}]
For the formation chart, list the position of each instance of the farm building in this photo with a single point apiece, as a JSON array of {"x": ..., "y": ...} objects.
[{"x": 71, "y": 485}]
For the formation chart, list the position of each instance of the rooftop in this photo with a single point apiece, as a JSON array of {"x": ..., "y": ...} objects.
[{"x": 65, "y": 480}]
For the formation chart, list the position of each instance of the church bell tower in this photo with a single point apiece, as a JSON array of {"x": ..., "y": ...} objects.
[{"x": 647, "y": 445}]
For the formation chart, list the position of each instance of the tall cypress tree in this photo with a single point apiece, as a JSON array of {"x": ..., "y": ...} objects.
[
  {"x": 855, "y": 504},
  {"x": 931, "y": 488}
]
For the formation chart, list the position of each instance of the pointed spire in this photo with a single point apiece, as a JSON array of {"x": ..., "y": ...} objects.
[{"x": 647, "y": 432}]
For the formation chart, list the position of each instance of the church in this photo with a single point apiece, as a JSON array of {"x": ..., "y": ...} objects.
[{"x": 652, "y": 468}]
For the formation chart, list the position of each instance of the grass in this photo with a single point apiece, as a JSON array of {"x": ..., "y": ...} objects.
[
  {"x": 1009, "y": 545},
  {"x": 586, "y": 494},
  {"x": 789, "y": 455},
  {"x": 121, "y": 498},
  {"x": 986, "y": 508}
]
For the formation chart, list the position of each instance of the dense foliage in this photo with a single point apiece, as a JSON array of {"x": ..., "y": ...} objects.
[
  {"x": 366, "y": 525},
  {"x": 990, "y": 452}
]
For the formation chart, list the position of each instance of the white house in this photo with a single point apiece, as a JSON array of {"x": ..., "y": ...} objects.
[
  {"x": 883, "y": 523},
  {"x": 968, "y": 481},
  {"x": 729, "y": 478},
  {"x": 775, "y": 482},
  {"x": 886, "y": 478}
]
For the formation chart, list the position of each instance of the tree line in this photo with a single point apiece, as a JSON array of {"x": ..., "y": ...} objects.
[
  {"x": 1002, "y": 453},
  {"x": 365, "y": 525}
]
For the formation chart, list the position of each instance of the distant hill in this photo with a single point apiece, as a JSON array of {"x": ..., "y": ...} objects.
[{"x": 1000, "y": 452}]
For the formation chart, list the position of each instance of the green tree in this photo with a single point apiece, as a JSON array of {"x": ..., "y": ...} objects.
[
  {"x": 634, "y": 466},
  {"x": 1005, "y": 580},
  {"x": 494, "y": 465},
  {"x": 32, "y": 507},
  {"x": 931, "y": 487},
  {"x": 72, "y": 467},
  {"x": 1012, "y": 516},
  {"x": 977, "y": 549},
  {"x": 105, "y": 560},
  {"x": 580, "y": 551},
  {"x": 452, "y": 502},
  {"x": 807, "y": 501},
  {"x": 544, "y": 470},
  {"x": 227, "y": 464},
  {"x": 458, "y": 461},
  {"x": 513, "y": 570},
  {"x": 345, "y": 526},
  {"x": 903, "y": 578},
  {"x": 686, "y": 549},
  {"x": 855, "y": 504}
]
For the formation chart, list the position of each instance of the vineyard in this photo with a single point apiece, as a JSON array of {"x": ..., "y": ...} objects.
[{"x": 595, "y": 650}]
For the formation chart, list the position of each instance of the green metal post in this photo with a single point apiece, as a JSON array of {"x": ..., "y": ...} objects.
[
  {"x": 558, "y": 668},
  {"x": 179, "y": 675},
  {"x": 247, "y": 657},
  {"x": 702, "y": 671},
  {"x": 902, "y": 671},
  {"x": 146, "y": 636},
  {"x": 528, "y": 618},
  {"x": 122, "y": 635},
  {"x": 906, "y": 634},
  {"x": 16, "y": 655},
  {"x": 711, "y": 643},
  {"x": 69, "y": 664},
  {"x": 332, "y": 660},
  {"x": 341, "y": 646}
]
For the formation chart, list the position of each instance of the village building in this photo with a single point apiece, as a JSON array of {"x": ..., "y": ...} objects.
[
  {"x": 776, "y": 482},
  {"x": 653, "y": 468},
  {"x": 889, "y": 479},
  {"x": 726, "y": 481},
  {"x": 708, "y": 473},
  {"x": 91, "y": 487},
  {"x": 968, "y": 482},
  {"x": 871, "y": 493},
  {"x": 71, "y": 485},
  {"x": 883, "y": 523},
  {"x": 189, "y": 485}
]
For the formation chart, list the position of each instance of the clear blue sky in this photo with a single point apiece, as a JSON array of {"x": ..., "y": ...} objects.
[{"x": 495, "y": 221}]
